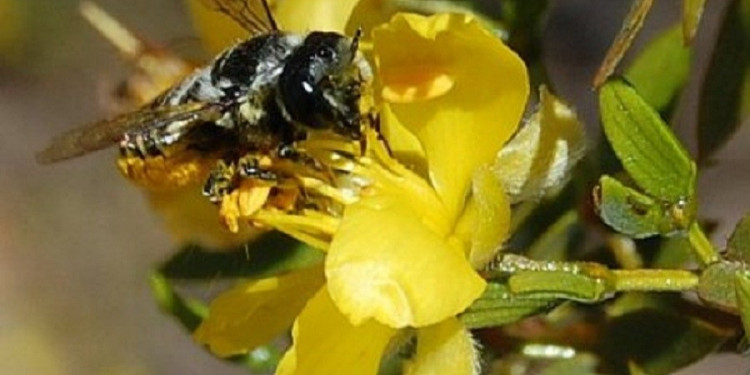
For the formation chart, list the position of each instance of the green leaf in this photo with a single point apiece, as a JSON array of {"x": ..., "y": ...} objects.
[
  {"x": 559, "y": 284},
  {"x": 272, "y": 254},
  {"x": 725, "y": 95},
  {"x": 658, "y": 342},
  {"x": 661, "y": 69},
  {"x": 524, "y": 20},
  {"x": 554, "y": 243},
  {"x": 646, "y": 147},
  {"x": 627, "y": 303},
  {"x": 738, "y": 246},
  {"x": 189, "y": 313},
  {"x": 742, "y": 288},
  {"x": 717, "y": 284},
  {"x": 692, "y": 10},
  {"x": 498, "y": 306},
  {"x": 673, "y": 252},
  {"x": 631, "y": 212}
]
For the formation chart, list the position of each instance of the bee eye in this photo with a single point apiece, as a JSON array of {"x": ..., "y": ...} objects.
[{"x": 325, "y": 53}]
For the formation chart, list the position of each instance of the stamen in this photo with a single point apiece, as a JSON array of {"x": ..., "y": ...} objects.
[{"x": 310, "y": 226}]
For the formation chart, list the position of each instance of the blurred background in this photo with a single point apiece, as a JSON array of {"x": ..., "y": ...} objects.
[{"x": 77, "y": 241}]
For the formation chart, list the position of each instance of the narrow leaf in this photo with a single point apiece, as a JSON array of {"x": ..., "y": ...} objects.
[
  {"x": 188, "y": 312},
  {"x": 272, "y": 254},
  {"x": 559, "y": 284},
  {"x": 661, "y": 69},
  {"x": 725, "y": 95},
  {"x": 658, "y": 342},
  {"x": 692, "y": 10},
  {"x": 630, "y": 28},
  {"x": 648, "y": 150},
  {"x": 717, "y": 284},
  {"x": 742, "y": 288},
  {"x": 498, "y": 306},
  {"x": 554, "y": 243},
  {"x": 738, "y": 246}
]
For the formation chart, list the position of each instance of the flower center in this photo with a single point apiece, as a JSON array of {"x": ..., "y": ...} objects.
[{"x": 308, "y": 203}]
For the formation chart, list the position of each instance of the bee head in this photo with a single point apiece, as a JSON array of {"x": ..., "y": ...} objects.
[{"x": 322, "y": 81}]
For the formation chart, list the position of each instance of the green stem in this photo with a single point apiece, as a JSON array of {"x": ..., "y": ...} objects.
[
  {"x": 702, "y": 247},
  {"x": 645, "y": 280}
]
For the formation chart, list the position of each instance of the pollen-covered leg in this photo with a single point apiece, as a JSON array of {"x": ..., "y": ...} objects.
[
  {"x": 242, "y": 188},
  {"x": 258, "y": 167},
  {"x": 221, "y": 181},
  {"x": 163, "y": 173}
]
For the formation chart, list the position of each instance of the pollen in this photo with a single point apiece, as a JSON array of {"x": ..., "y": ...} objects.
[{"x": 160, "y": 173}]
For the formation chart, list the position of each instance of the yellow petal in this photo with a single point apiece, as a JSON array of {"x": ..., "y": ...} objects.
[
  {"x": 308, "y": 15},
  {"x": 385, "y": 263},
  {"x": 485, "y": 222},
  {"x": 457, "y": 87},
  {"x": 405, "y": 147},
  {"x": 326, "y": 343},
  {"x": 253, "y": 313},
  {"x": 444, "y": 349},
  {"x": 541, "y": 155},
  {"x": 370, "y": 13}
]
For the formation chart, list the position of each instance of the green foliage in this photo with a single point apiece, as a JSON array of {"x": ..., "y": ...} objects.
[
  {"x": 722, "y": 281},
  {"x": 499, "y": 306},
  {"x": 658, "y": 341},
  {"x": 717, "y": 284},
  {"x": 661, "y": 70},
  {"x": 556, "y": 241},
  {"x": 738, "y": 246},
  {"x": 742, "y": 286},
  {"x": 188, "y": 312},
  {"x": 725, "y": 96},
  {"x": 271, "y": 254},
  {"x": 630, "y": 212},
  {"x": 648, "y": 150}
]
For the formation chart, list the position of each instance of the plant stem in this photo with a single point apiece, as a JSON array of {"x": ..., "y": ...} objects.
[
  {"x": 702, "y": 247},
  {"x": 645, "y": 280}
]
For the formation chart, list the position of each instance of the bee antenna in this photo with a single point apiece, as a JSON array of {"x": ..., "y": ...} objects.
[
  {"x": 269, "y": 15},
  {"x": 355, "y": 40}
]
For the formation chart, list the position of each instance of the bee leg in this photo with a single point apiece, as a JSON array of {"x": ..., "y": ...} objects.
[
  {"x": 287, "y": 151},
  {"x": 249, "y": 166},
  {"x": 221, "y": 181}
]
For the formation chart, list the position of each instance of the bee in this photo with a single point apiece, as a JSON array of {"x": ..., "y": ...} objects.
[{"x": 256, "y": 99}]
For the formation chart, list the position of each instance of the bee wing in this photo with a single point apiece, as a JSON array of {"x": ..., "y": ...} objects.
[
  {"x": 102, "y": 134},
  {"x": 253, "y": 15}
]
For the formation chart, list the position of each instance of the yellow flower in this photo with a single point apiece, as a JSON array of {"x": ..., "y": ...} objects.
[{"x": 418, "y": 214}]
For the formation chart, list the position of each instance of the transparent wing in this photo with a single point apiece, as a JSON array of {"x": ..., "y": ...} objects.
[
  {"x": 253, "y": 15},
  {"x": 103, "y": 134}
]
